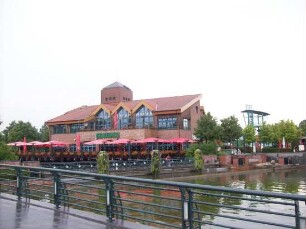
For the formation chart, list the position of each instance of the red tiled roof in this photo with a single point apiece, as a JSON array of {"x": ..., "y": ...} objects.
[
  {"x": 75, "y": 114},
  {"x": 171, "y": 103},
  {"x": 131, "y": 104},
  {"x": 158, "y": 104},
  {"x": 109, "y": 106}
]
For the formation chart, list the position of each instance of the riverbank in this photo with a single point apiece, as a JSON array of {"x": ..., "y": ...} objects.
[{"x": 234, "y": 171}]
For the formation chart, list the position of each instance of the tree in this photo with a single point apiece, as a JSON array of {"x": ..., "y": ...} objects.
[
  {"x": 16, "y": 131},
  {"x": 6, "y": 152},
  {"x": 207, "y": 128},
  {"x": 44, "y": 133},
  {"x": 231, "y": 129},
  {"x": 1, "y": 137},
  {"x": 266, "y": 134},
  {"x": 302, "y": 126},
  {"x": 248, "y": 134},
  {"x": 288, "y": 130}
]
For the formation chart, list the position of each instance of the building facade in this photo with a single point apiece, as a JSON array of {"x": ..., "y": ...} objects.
[{"x": 119, "y": 116}]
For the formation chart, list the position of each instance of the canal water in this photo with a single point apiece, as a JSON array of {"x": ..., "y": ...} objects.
[{"x": 291, "y": 180}]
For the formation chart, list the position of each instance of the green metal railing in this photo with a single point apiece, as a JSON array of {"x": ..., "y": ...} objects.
[
  {"x": 120, "y": 165},
  {"x": 157, "y": 203}
]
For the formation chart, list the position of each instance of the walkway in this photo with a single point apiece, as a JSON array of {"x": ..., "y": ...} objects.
[{"x": 32, "y": 214}]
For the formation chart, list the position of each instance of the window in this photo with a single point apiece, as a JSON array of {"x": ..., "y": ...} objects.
[
  {"x": 103, "y": 121},
  {"x": 106, "y": 99},
  {"x": 167, "y": 123},
  {"x": 144, "y": 117},
  {"x": 76, "y": 127},
  {"x": 185, "y": 124},
  {"x": 59, "y": 129},
  {"x": 123, "y": 119}
]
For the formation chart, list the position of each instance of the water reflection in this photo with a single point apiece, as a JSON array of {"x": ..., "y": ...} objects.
[
  {"x": 285, "y": 181},
  {"x": 281, "y": 181}
]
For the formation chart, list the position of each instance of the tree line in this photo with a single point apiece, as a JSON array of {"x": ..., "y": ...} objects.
[
  {"x": 212, "y": 134},
  {"x": 16, "y": 131}
]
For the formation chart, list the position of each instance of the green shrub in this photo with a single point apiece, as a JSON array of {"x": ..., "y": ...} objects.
[
  {"x": 221, "y": 153},
  {"x": 155, "y": 162},
  {"x": 275, "y": 150},
  {"x": 209, "y": 148},
  {"x": 206, "y": 148},
  {"x": 198, "y": 161},
  {"x": 6, "y": 152},
  {"x": 103, "y": 162}
]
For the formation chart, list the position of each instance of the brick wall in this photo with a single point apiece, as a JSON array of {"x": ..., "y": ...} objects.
[
  {"x": 225, "y": 160},
  {"x": 116, "y": 92},
  {"x": 136, "y": 134},
  {"x": 210, "y": 159},
  {"x": 281, "y": 160},
  {"x": 194, "y": 115}
]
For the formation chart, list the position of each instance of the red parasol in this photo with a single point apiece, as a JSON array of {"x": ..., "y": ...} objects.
[
  {"x": 97, "y": 142},
  {"x": 179, "y": 140},
  {"x": 121, "y": 141},
  {"x": 151, "y": 140},
  {"x": 15, "y": 144},
  {"x": 36, "y": 143},
  {"x": 56, "y": 143}
]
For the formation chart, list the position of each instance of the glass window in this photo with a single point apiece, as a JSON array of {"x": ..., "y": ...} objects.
[
  {"x": 167, "y": 123},
  {"x": 144, "y": 117},
  {"x": 76, "y": 127},
  {"x": 103, "y": 121},
  {"x": 59, "y": 129},
  {"x": 123, "y": 118},
  {"x": 185, "y": 123}
]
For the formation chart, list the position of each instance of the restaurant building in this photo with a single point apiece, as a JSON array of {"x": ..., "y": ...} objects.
[{"x": 120, "y": 116}]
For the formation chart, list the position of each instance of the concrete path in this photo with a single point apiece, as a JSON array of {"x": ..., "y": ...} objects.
[{"x": 32, "y": 214}]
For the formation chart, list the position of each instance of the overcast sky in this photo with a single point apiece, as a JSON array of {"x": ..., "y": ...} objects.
[{"x": 57, "y": 55}]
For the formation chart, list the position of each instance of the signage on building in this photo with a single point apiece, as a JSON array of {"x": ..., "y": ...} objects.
[{"x": 107, "y": 135}]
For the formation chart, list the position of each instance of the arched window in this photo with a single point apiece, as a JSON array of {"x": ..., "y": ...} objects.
[
  {"x": 123, "y": 118},
  {"x": 144, "y": 117},
  {"x": 103, "y": 120}
]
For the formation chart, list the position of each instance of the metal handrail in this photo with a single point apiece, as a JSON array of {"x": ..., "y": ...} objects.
[{"x": 153, "y": 202}]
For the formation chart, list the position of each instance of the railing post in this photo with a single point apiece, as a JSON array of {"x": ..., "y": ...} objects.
[
  {"x": 19, "y": 183},
  {"x": 57, "y": 180},
  {"x": 109, "y": 191},
  {"x": 190, "y": 209},
  {"x": 297, "y": 214},
  {"x": 186, "y": 207}
]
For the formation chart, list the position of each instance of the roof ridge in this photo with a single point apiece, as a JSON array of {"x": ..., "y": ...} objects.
[{"x": 172, "y": 96}]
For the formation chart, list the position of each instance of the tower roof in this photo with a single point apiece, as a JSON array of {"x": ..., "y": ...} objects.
[{"x": 116, "y": 84}]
